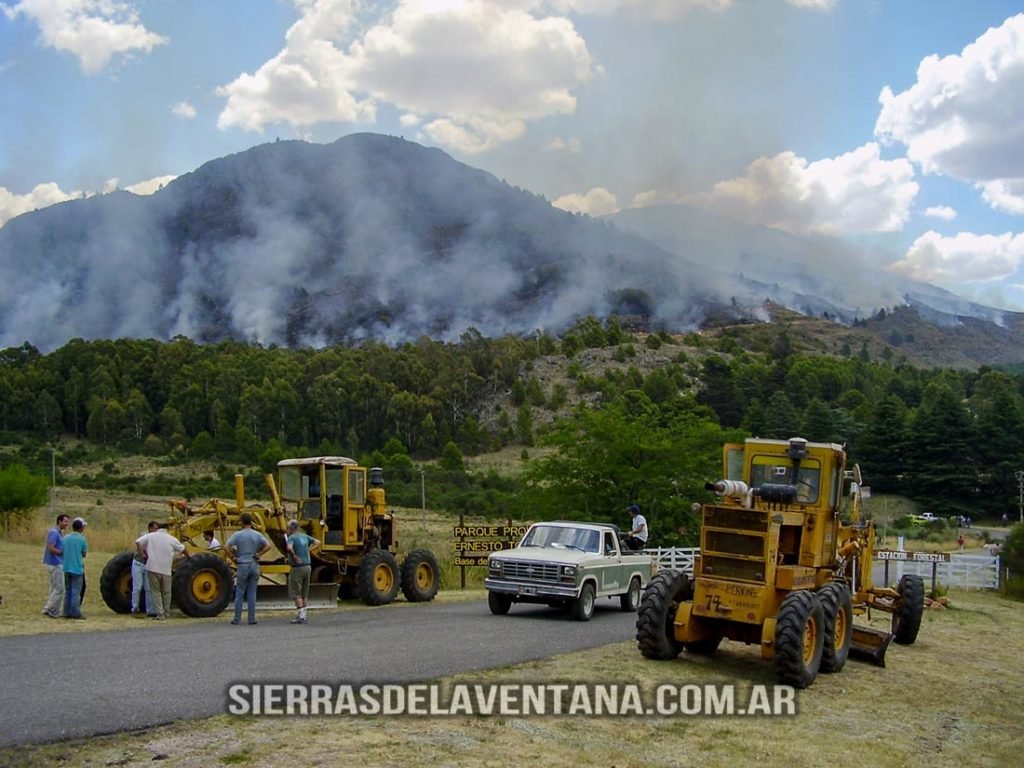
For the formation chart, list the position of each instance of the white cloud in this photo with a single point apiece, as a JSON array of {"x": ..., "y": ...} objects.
[
  {"x": 1005, "y": 195},
  {"x": 184, "y": 110},
  {"x": 964, "y": 117},
  {"x": 940, "y": 212},
  {"x": 962, "y": 259},
  {"x": 597, "y": 202},
  {"x": 149, "y": 186},
  {"x": 853, "y": 193},
  {"x": 92, "y": 30},
  {"x": 42, "y": 195},
  {"x": 665, "y": 9},
  {"x": 473, "y": 70}
]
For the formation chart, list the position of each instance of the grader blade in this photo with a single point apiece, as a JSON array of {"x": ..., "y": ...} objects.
[
  {"x": 870, "y": 644},
  {"x": 274, "y": 597}
]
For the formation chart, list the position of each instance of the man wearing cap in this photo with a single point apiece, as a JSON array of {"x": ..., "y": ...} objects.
[
  {"x": 159, "y": 549},
  {"x": 637, "y": 537},
  {"x": 75, "y": 550},
  {"x": 299, "y": 546},
  {"x": 53, "y": 559}
]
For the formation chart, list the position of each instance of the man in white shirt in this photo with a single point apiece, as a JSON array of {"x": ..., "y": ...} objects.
[
  {"x": 160, "y": 549},
  {"x": 636, "y": 539}
]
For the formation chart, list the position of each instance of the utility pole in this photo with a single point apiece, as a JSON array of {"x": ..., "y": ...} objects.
[
  {"x": 53, "y": 482},
  {"x": 1020, "y": 491},
  {"x": 423, "y": 491}
]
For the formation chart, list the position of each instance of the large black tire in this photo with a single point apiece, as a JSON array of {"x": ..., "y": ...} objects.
[
  {"x": 655, "y": 636},
  {"x": 201, "y": 585},
  {"x": 499, "y": 603},
  {"x": 906, "y": 619},
  {"x": 838, "y": 608},
  {"x": 421, "y": 576},
  {"x": 116, "y": 583},
  {"x": 630, "y": 601},
  {"x": 377, "y": 578},
  {"x": 583, "y": 607},
  {"x": 799, "y": 639}
]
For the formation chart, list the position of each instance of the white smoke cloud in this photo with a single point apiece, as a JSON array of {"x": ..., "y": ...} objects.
[
  {"x": 855, "y": 192},
  {"x": 964, "y": 116},
  {"x": 597, "y": 202},
  {"x": 473, "y": 70},
  {"x": 962, "y": 259},
  {"x": 93, "y": 31}
]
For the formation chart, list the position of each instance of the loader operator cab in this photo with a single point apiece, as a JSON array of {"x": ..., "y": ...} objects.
[{"x": 328, "y": 491}]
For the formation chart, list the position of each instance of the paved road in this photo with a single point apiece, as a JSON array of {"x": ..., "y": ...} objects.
[{"x": 72, "y": 685}]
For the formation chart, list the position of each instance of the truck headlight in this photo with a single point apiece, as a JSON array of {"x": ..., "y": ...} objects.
[
  {"x": 494, "y": 566},
  {"x": 569, "y": 574}
]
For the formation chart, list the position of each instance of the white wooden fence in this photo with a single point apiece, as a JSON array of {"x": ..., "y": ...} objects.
[
  {"x": 674, "y": 558},
  {"x": 962, "y": 571}
]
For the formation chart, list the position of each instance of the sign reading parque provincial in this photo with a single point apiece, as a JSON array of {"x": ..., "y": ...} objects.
[
  {"x": 475, "y": 542},
  {"x": 913, "y": 557}
]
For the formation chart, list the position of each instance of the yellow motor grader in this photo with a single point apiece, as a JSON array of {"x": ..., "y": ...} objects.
[
  {"x": 338, "y": 503},
  {"x": 785, "y": 562}
]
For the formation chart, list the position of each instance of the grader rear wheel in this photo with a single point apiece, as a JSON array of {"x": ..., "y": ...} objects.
[
  {"x": 116, "y": 583},
  {"x": 799, "y": 639},
  {"x": 201, "y": 585},
  {"x": 655, "y": 635},
  {"x": 838, "y": 609},
  {"x": 421, "y": 576},
  {"x": 377, "y": 578}
]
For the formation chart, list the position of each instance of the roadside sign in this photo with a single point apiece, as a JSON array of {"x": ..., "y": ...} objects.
[{"x": 913, "y": 557}]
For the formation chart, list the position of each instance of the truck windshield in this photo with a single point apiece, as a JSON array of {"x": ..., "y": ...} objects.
[{"x": 563, "y": 537}]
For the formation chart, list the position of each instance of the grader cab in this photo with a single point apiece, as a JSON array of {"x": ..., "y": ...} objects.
[
  {"x": 785, "y": 562},
  {"x": 337, "y": 502}
]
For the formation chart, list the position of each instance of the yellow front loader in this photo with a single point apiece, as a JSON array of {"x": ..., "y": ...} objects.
[{"x": 780, "y": 567}]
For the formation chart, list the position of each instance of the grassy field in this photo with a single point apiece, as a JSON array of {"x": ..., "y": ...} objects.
[{"x": 954, "y": 697}]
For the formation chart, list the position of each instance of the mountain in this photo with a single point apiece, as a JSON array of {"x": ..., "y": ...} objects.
[{"x": 376, "y": 237}]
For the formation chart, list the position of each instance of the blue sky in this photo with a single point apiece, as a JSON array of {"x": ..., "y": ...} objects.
[{"x": 894, "y": 124}]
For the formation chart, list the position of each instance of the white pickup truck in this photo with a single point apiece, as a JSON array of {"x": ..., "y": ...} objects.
[{"x": 567, "y": 564}]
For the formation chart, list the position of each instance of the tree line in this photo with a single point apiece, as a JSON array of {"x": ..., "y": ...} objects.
[{"x": 951, "y": 440}]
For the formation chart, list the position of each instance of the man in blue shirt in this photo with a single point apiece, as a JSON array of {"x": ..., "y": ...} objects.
[
  {"x": 75, "y": 550},
  {"x": 299, "y": 547},
  {"x": 53, "y": 559},
  {"x": 245, "y": 547}
]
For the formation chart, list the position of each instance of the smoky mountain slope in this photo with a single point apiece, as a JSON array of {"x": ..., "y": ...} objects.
[{"x": 295, "y": 243}]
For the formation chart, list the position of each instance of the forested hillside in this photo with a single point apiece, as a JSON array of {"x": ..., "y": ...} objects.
[{"x": 632, "y": 417}]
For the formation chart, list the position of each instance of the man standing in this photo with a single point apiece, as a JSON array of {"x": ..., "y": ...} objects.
[
  {"x": 637, "y": 537},
  {"x": 245, "y": 547},
  {"x": 85, "y": 583},
  {"x": 53, "y": 559},
  {"x": 299, "y": 547},
  {"x": 140, "y": 581},
  {"x": 75, "y": 550},
  {"x": 159, "y": 549}
]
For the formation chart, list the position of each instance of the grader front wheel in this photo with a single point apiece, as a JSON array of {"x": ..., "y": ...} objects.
[
  {"x": 377, "y": 578},
  {"x": 906, "y": 619},
  {"x": 799, "y": 639},
  {"x": 201, "y": 585}
]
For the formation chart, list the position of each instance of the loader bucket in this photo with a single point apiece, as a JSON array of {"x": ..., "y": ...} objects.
[{"x": 870, "y": 644}]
